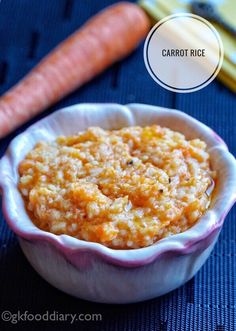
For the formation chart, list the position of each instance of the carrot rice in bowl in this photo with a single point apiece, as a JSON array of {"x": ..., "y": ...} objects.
[
  {"x": 125, "y": 188},
  {"x": 114, "y": 203}
]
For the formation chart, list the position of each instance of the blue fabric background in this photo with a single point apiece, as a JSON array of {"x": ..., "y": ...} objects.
[{"x": 28, "y": 30}]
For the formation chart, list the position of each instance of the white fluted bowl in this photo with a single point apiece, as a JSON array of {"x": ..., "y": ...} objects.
[{"x": 90, "y": 270}]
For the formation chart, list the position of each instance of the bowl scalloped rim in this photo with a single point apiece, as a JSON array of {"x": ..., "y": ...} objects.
[{"x": 194, "y": 238}]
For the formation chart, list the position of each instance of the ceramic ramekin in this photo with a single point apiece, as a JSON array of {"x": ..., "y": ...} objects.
[{"x": 90, "y": 270}]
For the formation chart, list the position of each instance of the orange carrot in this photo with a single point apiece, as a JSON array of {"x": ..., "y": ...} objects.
[{"x": 103, "y": 40}]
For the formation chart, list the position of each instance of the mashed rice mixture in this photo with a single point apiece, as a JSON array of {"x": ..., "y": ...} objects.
[{"x": 124, "y": 188}]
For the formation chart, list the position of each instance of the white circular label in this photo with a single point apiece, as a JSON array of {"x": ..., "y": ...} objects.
[{"x": 183, "y": 53}]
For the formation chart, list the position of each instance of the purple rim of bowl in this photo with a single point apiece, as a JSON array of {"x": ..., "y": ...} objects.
[{"x": 176, "y": 244}]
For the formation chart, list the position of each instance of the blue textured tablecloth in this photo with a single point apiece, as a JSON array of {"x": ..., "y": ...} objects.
[{"x": 28, "y": 30}]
